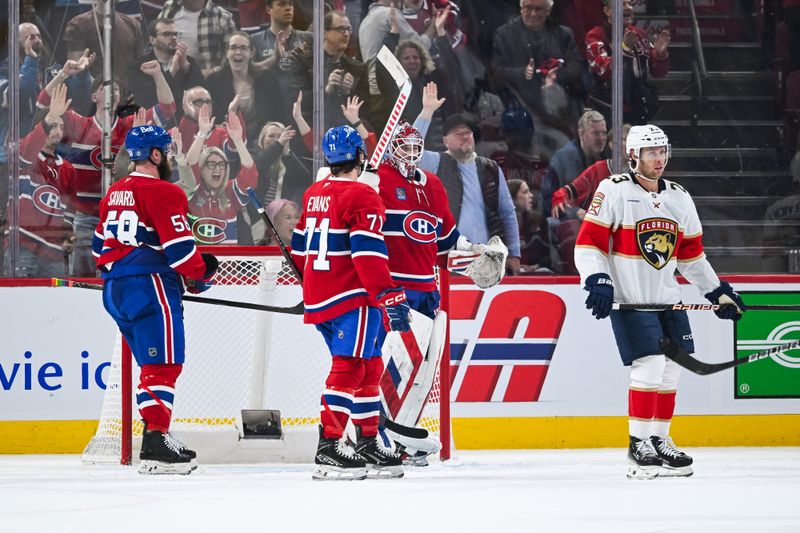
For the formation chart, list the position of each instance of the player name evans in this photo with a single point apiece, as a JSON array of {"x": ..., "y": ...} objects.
[{"x": 318, "y": 203}]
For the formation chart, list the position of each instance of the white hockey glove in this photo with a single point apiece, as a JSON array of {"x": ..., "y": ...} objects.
[{"x": 489, "y": 268}]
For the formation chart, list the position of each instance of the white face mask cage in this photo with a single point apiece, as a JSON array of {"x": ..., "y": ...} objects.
[{"x": 406, "y": 153}]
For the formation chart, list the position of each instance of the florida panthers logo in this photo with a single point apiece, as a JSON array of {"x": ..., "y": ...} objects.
[
  {"x": 47, "y": 199},
  {"x": 420, "y": 227},
  {"x": 207, "y": 230},
  {"x": 657, "y": 238}
]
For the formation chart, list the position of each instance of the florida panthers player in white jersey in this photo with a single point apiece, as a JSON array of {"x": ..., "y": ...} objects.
[{"x": 637, "y": 231}]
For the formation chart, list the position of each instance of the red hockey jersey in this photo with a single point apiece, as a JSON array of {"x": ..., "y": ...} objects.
[
  {"x": 213, "y": 217},
  {"x": 143, "y": 230},
  {"x": 419, "y": 226},
  {"x": 84, "y": 135},
  {"x": 44, "y": 179},
  {"x": 338, "y": 245}
]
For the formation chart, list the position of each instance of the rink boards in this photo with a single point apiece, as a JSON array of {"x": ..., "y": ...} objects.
[{"x": 530, "y": 368}]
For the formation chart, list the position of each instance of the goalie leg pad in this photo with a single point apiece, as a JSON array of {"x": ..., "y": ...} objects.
[
  {"x": 367, "y": 402},
  {"x": 337, "y": 400},
  {"x": 155, "y": 395},
  {"x": 417, "y": 397}
]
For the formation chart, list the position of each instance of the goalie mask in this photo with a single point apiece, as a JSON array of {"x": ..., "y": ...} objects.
[{"x": 405, "y": 149}]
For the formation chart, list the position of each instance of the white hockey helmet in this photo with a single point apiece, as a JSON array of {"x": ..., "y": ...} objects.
[{"x": 647, "y": 136}]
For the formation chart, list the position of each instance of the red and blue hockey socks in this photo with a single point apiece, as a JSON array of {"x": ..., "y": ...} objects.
[
  {"x": 337, "y": 400},
  {"x": 367, "y": 402},
  {"x": 156, "y": 394}
]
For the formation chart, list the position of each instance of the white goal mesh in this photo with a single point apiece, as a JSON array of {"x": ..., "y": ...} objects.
[{"x": 239, "y": 359}]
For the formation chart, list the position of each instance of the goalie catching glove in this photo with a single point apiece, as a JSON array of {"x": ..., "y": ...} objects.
[{"x": 488, "y": 269}]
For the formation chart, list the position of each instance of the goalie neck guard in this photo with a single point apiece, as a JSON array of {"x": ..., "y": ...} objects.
[{"x": 405, "y": 149}]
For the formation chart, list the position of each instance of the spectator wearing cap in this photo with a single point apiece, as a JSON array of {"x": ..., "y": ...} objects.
[{"x": 476, "y": 187}]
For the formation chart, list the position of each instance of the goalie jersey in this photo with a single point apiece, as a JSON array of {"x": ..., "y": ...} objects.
[
  {"x": 419, "y": 226},
  {"x": 338, "y": 246},
  {"x": 639, "y": 238}
]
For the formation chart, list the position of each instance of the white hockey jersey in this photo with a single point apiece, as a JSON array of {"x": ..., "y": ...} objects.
[{"x": 639, "y": 238}]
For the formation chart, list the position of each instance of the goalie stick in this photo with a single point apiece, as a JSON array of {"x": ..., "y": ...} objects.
[
  {"x": 402, "y": 80},
  {"x": 700, "y": 307},
  {"x": 406, "y": 431},
  {"x": 674, "y": 351},
  {"x": 294, "y": 310}
]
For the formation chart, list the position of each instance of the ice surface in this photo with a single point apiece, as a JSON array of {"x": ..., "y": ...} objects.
[{"x": 733, "y": 490}]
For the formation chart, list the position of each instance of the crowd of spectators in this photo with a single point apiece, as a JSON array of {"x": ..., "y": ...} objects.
[{"x": 511, "y": 99}]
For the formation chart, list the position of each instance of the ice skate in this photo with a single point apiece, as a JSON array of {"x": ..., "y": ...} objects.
[
  {"x": 382, "y": 463},
  {"x": 176, "y": 440},
  {"x": 675, "y": 462},
  {"x": 644, "y": 462},
  {"x": 337, "y": 461},
  {"x": 161, "y": 455}
]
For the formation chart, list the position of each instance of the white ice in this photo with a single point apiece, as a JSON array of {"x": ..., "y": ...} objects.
[{"x": 733, "y": 490}]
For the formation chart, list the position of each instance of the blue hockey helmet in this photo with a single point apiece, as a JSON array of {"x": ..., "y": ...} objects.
[
  {"x": 341, "y": 145},
  {"x": 141, "y": 139}
]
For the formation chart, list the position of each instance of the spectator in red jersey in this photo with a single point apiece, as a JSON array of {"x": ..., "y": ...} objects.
[
  {"x": 534, "y": 244},
  {"x": 641, "y": 59},
  {"x": 46, "y": 227},
  {"x": 84, "y": 135},
  {"x": 579, "y": 192},
  {"x": 215, "y": 199}
]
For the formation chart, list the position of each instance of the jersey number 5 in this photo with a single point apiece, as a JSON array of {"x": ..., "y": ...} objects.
[
  {"x": 320, "y": 262},
  {"x": 122, "y": 226}
]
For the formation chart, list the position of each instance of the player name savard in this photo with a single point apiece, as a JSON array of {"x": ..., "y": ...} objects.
[{"x": 121, "y": 198}]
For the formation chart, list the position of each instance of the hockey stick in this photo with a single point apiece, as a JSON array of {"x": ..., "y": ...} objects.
[
  {"x": 406, "y": 431},
  {"x": 402, "y": 80},
  {"x": 260, "y": 208},
  {"x": 674, "y": 351},
  {"x": 295, "y": 310},
  {"x": 699, "y": 307}
]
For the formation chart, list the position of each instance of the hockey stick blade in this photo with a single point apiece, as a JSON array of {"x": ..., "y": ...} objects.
[
  {"x": 675, "y": 352},
  {"x": 294, "y": 310},
  {"x": 699, "y": 307},
  {"x": 412, "y": 433},
  {"x": 391, "y": 124}
]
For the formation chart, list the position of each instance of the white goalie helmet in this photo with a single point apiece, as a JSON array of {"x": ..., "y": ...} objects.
[
  {"x": 647, "y": 136},
  {"x": 405, "y": 149}
]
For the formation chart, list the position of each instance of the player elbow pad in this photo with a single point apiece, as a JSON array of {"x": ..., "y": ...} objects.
[{"x": 212, "y": 264}]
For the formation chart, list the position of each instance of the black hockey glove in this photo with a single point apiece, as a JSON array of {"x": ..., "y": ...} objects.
[
  {"x": 212, "y": 264},
  {"x": 196, "y": 286},
  {"x": 601, "y": 295},
  {"x": 732, "y": 304}
]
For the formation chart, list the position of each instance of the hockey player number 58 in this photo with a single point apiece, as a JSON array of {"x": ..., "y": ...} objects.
[
  {"x": 127, "y": 222},
  {"x": 320, "y": 262}
]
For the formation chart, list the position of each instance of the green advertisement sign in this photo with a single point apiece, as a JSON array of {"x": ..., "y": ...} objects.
[{"x": 779, "y": 375}]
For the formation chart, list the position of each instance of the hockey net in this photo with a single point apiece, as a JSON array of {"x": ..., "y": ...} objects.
[{"x": 239, "y": 359}]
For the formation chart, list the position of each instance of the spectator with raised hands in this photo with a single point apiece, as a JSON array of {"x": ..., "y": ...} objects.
[
  {"x": 84, "y": 135},
  {"x": 260, "y": 98},
  {"x": 180, "y": 69},
  {"x": 215, "y": 199}
]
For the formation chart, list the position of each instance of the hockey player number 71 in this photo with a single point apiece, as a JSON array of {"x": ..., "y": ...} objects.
[{"x": 320, "y": 262}]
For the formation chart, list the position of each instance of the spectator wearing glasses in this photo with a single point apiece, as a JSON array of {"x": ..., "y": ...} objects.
[
  {"x": 203, "y": 26},
  {"x": 259, "y": 94},
  {"x": 215, "y": 199},
  {"x": 345, "y": 76},
  {"x": 180, "y": 70},
  {"x": 193, "y": 101},
  {"x": 526, "y": 50},
  {"x": 278, "y": 45}
]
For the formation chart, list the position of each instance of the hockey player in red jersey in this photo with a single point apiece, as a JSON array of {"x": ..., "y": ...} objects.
[
  {"x": 419, "y": 229},
  {"x": 45, "y": 184},
  {"x": 84, "y": 137},
  {"x": 339, "y": 247},
  {"x": 653, "y": 228},
  {"x": 144, "y": 248}
]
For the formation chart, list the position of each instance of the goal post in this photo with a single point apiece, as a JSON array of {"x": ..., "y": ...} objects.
[{"x": 240, "y": 359}]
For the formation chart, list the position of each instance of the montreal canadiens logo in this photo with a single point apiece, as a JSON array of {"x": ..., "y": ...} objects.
[
  {"x": 420, "y": 227},
  {"x": 96, "y": 155},
  {"x": 207, "y": 230},
  {"x": 47, "y": 199}
]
